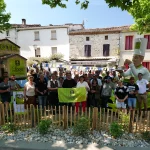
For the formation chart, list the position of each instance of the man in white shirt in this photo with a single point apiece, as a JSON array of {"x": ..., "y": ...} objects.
[{"x": 143, "y": 84}]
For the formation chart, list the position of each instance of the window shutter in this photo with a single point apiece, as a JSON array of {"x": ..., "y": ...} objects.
[
  {"x": 53, "y": 34},
  {"x": 148, "y": 43},
  {"x": 38, "y": 51},
  {"x": 54, "y": 50},
  {"x": 36, "y": 35}
]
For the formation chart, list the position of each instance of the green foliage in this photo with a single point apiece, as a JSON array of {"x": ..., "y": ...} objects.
[
  {"x": 146, "y": 136},
  {"x": 62, "y": 3},
  {"x": 56, "y": 56},
  {"x": 44, "y": 126},
  {"x": 141, "y": 14},
  {"x": 4, "y": 17},
  {"x": 125, "y": 120},
  {"x": 9, "y": 127},
  {"x": 116, "y": 129},
  {"x": 82, "y": 127}
]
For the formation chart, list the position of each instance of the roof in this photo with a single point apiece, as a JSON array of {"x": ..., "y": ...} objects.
[
  {"x": 10, "y": 55},
  {"x": 25, "y": 26},
  {"x": 10, "y": 42},
  {"x": 100, "y": 30}
]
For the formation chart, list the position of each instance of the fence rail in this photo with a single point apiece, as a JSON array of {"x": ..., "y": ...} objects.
[{"x": 64, "y": 116}]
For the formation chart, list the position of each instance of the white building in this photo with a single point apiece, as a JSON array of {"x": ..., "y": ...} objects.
[{"x": 41, "y": 41}]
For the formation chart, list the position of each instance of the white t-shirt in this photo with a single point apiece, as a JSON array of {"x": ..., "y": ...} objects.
[
  {"x": 142, "y": 85},
  {"x": 30, "y": 89},
  {"x": 83, "y": 84}
]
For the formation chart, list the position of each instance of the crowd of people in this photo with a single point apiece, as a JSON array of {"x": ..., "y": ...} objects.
[{"x": 42, "y": 88}]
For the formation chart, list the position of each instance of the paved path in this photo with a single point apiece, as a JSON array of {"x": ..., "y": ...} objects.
[{"x": 21, "y": 145}]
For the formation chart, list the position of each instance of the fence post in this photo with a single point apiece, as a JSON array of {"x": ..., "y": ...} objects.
[
  {"x": 131, "y": 121},
  {"x": 95, "y": 117},
  {"x": 32, "y": 116},
  {"x": 65, "y": 116}
]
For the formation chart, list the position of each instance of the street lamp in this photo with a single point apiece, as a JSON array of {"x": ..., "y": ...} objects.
[{"x": 35, "y": 48}]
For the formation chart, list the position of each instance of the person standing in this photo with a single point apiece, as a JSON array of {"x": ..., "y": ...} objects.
[
  {"x": 108, "y": 86},
  {"x": 143, "y": 84},
  {"x": 5, "y": 92},
  {"x": 29, "y": 92},
  {"x": 84, "y": 84},
  {"x": 53, "y": 86},
  {"x": 41, "y": 89},
  {"x": 121, "y": 95},
  {"x": 132, "y": 90}
]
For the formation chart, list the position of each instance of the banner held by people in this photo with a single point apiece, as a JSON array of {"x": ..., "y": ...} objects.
[{"x": 71, "y": 95}]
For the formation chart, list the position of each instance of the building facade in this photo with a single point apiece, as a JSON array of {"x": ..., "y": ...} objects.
[
  {"x": 126, "y": 46},
  {"x": 41, "y": 41},
  {"x": 95, "y": 47}
]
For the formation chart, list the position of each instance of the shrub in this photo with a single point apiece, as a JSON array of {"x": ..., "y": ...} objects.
[
  {"x": 9, "y": 127},
  {"x": 82, "y": 127},
  {"x": 116, "y": 129},
  {"x": 44, "y": 126},
  {"x": 125, "y": 119},
  {"x": 146, "y": 136}
]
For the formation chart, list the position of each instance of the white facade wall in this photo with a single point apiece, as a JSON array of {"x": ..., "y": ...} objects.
[
  {"x": 127, "y": 54},
  {"x": 26, "y": 40},
  {"x": 12, "y": 35},
  {"x": 77, "y": 43}
]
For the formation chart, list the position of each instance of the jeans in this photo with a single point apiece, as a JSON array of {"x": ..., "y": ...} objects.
[
  {"x": 42, "y": 101},
  {"x": 132, "y": 102}
]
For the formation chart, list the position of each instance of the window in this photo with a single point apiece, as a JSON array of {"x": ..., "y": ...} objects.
[
  {"x": 129, "y": 43},
  {"x": 87, "y": 38},
  {"x": 37, "y": 52},
  {"x": 53, "y": 35},
  {"x": 87, "y": 50},
  {"x": 106, "y": 49},
  {"x": 36, "y": 35},
  {"x": 54, "y": 50},
  {"x": 106, "y": 37},
  {"x": 148, "y": 43},
  {"x": 146, "y": 64},
  {"x": 7, "y": 33}
]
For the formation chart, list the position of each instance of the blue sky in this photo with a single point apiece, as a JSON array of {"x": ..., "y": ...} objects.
[{"x": 97, "y": 15}]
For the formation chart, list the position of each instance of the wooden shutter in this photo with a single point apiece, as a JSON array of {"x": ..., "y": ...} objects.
[
  {"x": 54, "y": 50},
  {"x": 128, "y": 42},
  {"x": 87, "y": 50},
  {"x": 106, "y": 49},
  {"x": 53, "y": 34},
  {"x": 36, "y": 35},
  {"x": 148, "y": 43}
]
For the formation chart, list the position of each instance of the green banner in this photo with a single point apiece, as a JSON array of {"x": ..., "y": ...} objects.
[
  {"x": 71, "y": 95},
  {"x": 17, "y": 67}
]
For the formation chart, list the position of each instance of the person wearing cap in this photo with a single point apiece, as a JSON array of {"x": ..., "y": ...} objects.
[
  {"x": 132, "y": 89},
  {"x": 135, "y": 66},
  {"x": 107, "y": 88},
  {"x": 143, "y": 84}
]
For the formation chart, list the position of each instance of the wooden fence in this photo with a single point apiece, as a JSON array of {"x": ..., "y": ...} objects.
[{"x": 64, "y": 116}]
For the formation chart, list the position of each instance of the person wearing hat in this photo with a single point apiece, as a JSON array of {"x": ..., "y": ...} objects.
[{"x": 135, "y": 66}]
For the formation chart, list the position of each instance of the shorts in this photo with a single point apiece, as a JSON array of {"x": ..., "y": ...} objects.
[
  {"x": 142, "y": 98},
  {"x": 120, "y": 104},
  {"x": 132, "y": 102}
]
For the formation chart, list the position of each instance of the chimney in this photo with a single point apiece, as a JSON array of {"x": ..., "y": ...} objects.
[{"x": 23, "y": 21}]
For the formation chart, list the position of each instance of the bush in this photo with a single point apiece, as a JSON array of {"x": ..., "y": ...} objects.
[
  {"x": 44, "y": 126},
  {"x": 82, "y": 127},
  {"x": 146, "y": 136},
  {"x": 9, "y": 127},
  {"x": 116, "y": 129},
  {"x": 125, "y": 119}
]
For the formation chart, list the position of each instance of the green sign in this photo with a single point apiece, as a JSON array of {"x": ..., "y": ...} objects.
[
  {"x": 8, "y": 47},
  {"x": 17, "y": 67},
  {"x": 137, "y": 45}
]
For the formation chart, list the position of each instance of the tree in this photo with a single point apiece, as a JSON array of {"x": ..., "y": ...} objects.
[
  {"x": 139, "y": 9},
  {"x": 4, "y": 17}
]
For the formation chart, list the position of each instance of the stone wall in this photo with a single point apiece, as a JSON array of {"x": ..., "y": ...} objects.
[{"x": 77, "y": 43}]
